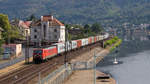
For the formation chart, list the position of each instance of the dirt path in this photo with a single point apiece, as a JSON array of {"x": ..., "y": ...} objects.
[{"x": 87, "y": 77}]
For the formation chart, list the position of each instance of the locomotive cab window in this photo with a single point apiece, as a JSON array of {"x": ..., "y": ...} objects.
[{"x": 38, "y": 51}]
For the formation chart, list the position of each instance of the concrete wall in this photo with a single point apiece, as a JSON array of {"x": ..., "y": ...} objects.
[{"x": 12, "y": 49}]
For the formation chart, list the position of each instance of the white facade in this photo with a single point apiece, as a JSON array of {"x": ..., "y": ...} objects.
[
  {"x": 24, "y": 27},
  {"x": 48, "y": 29}
]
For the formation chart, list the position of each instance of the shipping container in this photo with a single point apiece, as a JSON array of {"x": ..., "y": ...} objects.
[
  {"x": 68, "y": 45},
  {"x": 74, "y": 44},
  {"x": 95, "y": 39},
  {"x": 84, "y": 41},
  {"x": 101, "y": 37},
  {"x": 98, "y": 38},
  {"x": 79, "y": 43},
  {"x": 60, "y": 47},
  {"x": 90, "y": 40}
]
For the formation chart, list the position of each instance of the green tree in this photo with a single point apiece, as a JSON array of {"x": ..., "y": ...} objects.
[
  {"x": 4, "y": 23},
  {"x": 32, "y": 18},
  {"x": 10, "y": 32},
  {"x": 68, "y": 26},
  {"x": 96, "y": 28},
  {"x": 1, "y": 49},
  {"x": 87, "y": 29},
  {"x": 15, "y": 34},
  {"x": 87, "y": 26}
]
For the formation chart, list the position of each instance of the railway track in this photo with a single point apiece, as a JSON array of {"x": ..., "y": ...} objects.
[{"x": 26, "y": 74}]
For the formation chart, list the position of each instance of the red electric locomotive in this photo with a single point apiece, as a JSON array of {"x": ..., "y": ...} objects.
[{"x": 44, "y": 53}]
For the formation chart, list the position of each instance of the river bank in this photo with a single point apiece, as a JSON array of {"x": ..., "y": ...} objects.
[{"x": 134, "y": 68}]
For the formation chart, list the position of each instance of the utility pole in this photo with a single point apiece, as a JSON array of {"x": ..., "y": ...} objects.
[
  {"x": 94, "y": 67},
  {"x": 27, "y": 49},
  {"x": 66, "y": 46},
  {"x": 9, "y": 49},
  {"x": 103, "y": 41}
]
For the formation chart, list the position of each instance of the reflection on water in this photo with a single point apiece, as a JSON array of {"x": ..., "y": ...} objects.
[
  {"x": 134, "y": 70},
  {"x": 134, "y": 60}
]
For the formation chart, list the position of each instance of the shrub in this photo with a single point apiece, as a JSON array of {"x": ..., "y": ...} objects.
[
  {"x": 112, "y": 49},
  {"x": 113, "y": 40},
  {"x": 105, "y": 45},
  {"x": 116, "y": 38},
  {"x": 110, "y": 42}
]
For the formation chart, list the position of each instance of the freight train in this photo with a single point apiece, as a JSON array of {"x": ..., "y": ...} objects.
[{"x": 55, "y": 49}]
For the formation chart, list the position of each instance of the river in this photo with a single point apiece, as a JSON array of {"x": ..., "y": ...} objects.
[{"x": 134, "y": 61}]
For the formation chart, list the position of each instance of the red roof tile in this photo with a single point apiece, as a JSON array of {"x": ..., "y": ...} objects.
[
  {"x": 53, "y": 21},
  {"x": 28, "y": 23},
  {"x": 25, "y": 24},
  {"x": 48, "y": 18}
]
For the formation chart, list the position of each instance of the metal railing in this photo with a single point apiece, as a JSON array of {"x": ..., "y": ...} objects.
[{"x": 58, "y": 76}]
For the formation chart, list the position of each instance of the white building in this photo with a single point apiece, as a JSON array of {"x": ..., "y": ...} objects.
[
  {"x": 25, "y": 27},
  {"x": 48, "y": 30}
]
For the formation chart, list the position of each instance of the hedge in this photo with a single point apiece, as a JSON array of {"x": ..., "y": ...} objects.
[{"x": 110, "y": 42}]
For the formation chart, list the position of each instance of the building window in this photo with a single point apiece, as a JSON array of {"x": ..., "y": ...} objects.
[
  {"x": 35, "y": 36},
  {"x": 26, "y": 32},
  {"x": 35, "y": 30},
  {"x": 55, "y": 30},
  {"x": 44, "y": 30},
  {"x": 55, "y": 36}
]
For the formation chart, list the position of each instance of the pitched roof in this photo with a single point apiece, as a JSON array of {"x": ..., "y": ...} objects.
[
  {"x": 47, "y": 18},
  {"x": 53, "y": 21},
  {"x": 25, "y": 24},
  {"x": 36, "y": 23},
  {"x": 28, "y": 23}
]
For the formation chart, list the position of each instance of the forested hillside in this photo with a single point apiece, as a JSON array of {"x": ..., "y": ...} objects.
[{"x": 81, "y": 11}]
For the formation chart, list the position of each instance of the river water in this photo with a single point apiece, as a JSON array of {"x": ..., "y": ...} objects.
[{"x": 134, "y": 61}]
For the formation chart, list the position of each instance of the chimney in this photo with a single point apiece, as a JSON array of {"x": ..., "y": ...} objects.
[
  {"x": 41, "y": 18},
  {"x": 52, "y": 17}
]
